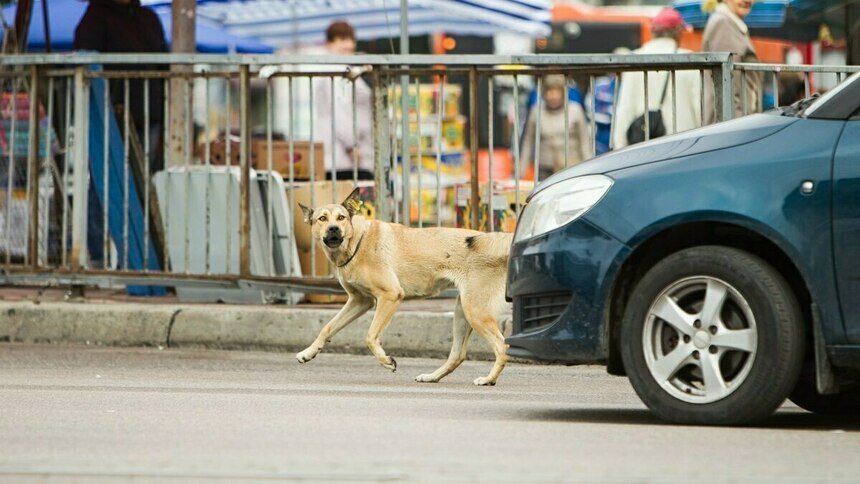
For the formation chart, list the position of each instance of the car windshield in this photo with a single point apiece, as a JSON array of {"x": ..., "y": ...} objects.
[{"x": 815, "y": 103}]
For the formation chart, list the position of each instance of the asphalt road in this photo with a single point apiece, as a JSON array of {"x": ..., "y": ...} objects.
[{"x": 80, "y": 414}]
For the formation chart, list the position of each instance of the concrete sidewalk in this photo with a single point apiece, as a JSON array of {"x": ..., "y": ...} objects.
[{"x": 420, "y": 328}]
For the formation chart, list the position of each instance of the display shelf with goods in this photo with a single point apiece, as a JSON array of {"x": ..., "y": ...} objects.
[
  {"x": 437, "y": 147},
  {"x": 502, "y": 196},
  {"x": 14, "y": 174}
]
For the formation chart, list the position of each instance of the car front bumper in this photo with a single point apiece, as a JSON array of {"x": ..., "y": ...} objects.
[{"x": 560, "y": 283}]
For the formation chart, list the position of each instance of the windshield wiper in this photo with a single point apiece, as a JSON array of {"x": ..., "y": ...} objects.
[{"x": 798, "y": 107}]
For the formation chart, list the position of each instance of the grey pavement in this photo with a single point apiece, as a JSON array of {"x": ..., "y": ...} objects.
[{"x": 85, "y": 414}]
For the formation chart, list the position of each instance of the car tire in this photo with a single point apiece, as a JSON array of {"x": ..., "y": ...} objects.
[
  {"x": 806, "y": 396},
  {"x": 712, "y": 335}
]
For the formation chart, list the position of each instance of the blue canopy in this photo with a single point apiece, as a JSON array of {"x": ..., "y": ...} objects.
[
  {"x": 65, "y": 15},
  {"x": 764, "y": 13},
  {"x": 286, "y": 22}
]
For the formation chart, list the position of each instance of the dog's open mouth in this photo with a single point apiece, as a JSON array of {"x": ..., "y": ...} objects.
[{"x": 333, "y": 242}]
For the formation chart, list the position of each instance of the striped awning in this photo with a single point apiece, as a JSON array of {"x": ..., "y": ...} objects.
[
  {"x": 64, "y": 16},
  {"x": 285, "y": 22}
]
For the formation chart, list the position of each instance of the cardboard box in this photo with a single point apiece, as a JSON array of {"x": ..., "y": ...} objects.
[
  {"x": 452, "y": 163},
  {"x": 218, "y": 152},
  {"x": 322, "y": 265},
  {"x": 323, "y": 298},
  {"x": 428, "y": 101},
  {"x": 281, "y": 158},
  {"x": 323, "y": 269},
  {"x": 429, "y": 215},
  {"x": 504, "y": 202},
  {"x": 452, "y": 134}
]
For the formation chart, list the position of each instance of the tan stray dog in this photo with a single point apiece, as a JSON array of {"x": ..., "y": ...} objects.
[{"x": 385, "y": 263}]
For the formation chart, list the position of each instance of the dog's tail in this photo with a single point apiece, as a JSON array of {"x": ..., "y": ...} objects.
[{"x": 494, "y": 246}]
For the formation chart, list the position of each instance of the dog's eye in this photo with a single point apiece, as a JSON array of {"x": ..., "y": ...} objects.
[
  {"x": 340, "y": 218},
  {"x": 323, "y": 219}
]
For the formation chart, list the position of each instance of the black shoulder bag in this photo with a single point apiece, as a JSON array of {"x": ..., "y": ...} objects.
[{"x": 636, "y": 131}]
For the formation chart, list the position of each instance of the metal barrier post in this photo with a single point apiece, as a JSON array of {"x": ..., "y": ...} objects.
[
  {"x": 33, "y": 170},
  {"x": 79, "y": 256},
  {"x": 723, "y": 95},
  {"x": 381, "y": 148},
  {"x": 405, "y": 151},
  {"x": 245, "y": 169},
  {"x": 473, "y": 146}
]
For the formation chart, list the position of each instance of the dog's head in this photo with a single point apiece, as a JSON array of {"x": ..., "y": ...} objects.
[{"x": 332, "y": 224}]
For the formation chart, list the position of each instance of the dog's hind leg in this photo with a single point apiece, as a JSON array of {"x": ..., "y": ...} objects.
[
  {"x": 482, "y": 305},
  {"x": 488, "y": 327},
  {"x": 386, "y": 304},
  {"x": 462, "y": 331},
  {"x": 355, "y": 306}
]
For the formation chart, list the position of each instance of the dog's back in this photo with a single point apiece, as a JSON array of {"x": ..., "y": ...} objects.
[{"x": 490, "y": 248}]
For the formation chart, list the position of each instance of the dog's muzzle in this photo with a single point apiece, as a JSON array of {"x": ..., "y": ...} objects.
[{"x": 333, "y": 237}]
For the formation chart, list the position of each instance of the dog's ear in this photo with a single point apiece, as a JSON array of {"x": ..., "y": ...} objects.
[
  {"x": 353, "y": 202},
  {"x": 308, "y": 214}
]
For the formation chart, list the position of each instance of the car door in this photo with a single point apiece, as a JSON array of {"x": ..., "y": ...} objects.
[{"x": 846, "y": 225}]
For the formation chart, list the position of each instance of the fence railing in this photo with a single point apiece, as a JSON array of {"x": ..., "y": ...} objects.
[{"x": 184, "y": 171}]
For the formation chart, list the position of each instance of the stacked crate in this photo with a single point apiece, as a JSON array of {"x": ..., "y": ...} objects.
[
  {"x": 449, "y": 146},
  {"x": 14, "y": 168}
]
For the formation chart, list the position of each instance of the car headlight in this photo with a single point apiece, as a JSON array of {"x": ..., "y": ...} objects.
[{"x": 561, "y": 204}]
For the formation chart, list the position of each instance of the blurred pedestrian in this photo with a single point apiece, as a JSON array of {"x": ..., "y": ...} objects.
[
  {"x": 349, "y": 145},
  {"x": 666, "y": 29},
  {"x": 855, "y": 44},
  {"x": 552, "y": 130},
  {"x": 123, "y": 26},
  {"x": 727, "y": 32},
  {"x": 603, "y": 99},
  {"x": 791, "y": 88}
]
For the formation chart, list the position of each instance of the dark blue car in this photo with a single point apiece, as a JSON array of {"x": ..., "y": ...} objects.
[{"x": 719, "y": 269}]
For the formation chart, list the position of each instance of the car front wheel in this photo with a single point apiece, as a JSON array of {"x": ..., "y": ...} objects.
[{"x": 712, "y": 335}]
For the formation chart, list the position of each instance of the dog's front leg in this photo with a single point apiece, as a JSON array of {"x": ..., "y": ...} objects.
[
  {"x": 355, "y": 306},
  {"x": 386, "y": 305}
]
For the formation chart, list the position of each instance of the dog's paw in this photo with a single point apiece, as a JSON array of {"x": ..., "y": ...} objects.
[
  {"x": 484, "y": 381},
  {"x": 426, "y": 378},
  {"x": 305, "y": 356},
  {"x": 392, "y": 365}
]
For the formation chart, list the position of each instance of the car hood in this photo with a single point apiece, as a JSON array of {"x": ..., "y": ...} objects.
[{"x": 714, "y": 137}]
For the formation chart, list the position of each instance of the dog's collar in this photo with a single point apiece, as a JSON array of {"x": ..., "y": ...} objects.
[{"x": 357, "y": 246}]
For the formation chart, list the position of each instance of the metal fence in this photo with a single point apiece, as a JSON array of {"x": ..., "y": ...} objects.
[
  {"x": 165, "y": 170},
  {"x": 813, "y": 78}
]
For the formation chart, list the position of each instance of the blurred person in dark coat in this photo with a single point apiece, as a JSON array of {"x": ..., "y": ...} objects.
[{"x": 124, "y": 26}]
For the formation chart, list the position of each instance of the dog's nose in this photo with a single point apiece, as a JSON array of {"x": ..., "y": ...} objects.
[{"x": 333, "y": 229}]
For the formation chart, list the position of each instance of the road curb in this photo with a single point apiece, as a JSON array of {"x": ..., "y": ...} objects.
[
  {"x": 102, "y": 324},
  {"x": 272, "y": 328},
  {"x": 412, "y": 333}
]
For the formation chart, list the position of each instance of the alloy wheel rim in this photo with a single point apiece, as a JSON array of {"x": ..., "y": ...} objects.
[{"x": 700, "y": 339}]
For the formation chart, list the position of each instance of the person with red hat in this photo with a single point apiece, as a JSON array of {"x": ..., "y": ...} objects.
[{"x": 666, "y": 29}]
